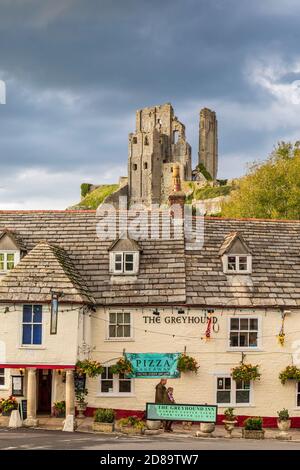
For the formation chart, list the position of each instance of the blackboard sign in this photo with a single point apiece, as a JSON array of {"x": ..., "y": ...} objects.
[
  {"x": 79, "y": 382},
  {"x": 23, "y": 409},
  {"x": 17, "y": 385}
]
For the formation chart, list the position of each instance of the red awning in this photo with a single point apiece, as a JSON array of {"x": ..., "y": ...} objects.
[{"x": 36, "y": 366}]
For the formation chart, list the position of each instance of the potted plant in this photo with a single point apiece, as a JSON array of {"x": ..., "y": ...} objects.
[
  {"x": 187, "y": 364},
  {"x": 80, "y": 401},
  {"x": 122, "y": 366},
  {"x": 245, "y": 372},
  {"x": 104, "y": 419},
  {"x": 253, "y": 428},
  {"x": 59, "y": 409},
  {"x": 229, "y": 421},
  {"x": 289, "y": 373},
  {"x": 132, "y": 425},
  {"x": 90, "y": 368},
  {"x": 7, "y": 405},
  {"x": 284, "y": 424}
]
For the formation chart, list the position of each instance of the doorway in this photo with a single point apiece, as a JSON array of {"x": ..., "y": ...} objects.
[{"x": 44, "y": 391}]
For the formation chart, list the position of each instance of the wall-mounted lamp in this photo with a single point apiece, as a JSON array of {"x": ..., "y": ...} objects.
[
  {"x": 180, "y": 310},
  {"x": 21, "y": 371},
  {"x": 211, "y": 310},
  {"x": 156, "y": 312}
]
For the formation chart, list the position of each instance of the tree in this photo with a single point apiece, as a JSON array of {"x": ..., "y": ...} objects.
[{"x": 270, "y": 189}]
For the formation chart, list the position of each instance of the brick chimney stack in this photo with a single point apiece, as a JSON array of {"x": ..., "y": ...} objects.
[{"x": 177, "y": 196}]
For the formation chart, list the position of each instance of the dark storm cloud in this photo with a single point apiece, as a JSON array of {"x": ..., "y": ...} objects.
[{"x": 76, "y": 70}]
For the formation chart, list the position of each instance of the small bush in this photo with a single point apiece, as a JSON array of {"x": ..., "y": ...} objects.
[
  {"x": 283, "y": 415},
  {"x": 253, "y": 424},
  {"x": 104, "y": 415},
  {"x": 85, "y": 189},
  {"x": 132, "y": 421},
  {"x": 229, "y": 414}
]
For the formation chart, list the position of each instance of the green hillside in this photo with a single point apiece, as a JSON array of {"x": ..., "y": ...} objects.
[{"x": 93, "y": 199}]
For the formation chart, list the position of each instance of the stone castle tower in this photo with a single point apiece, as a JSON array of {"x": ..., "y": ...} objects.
[
  {"x": 208, "y": 141},
  {"x": 157, "y": 144}
]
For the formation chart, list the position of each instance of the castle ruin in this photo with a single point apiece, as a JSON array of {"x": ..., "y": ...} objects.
[{"x": 208, "y": 141}]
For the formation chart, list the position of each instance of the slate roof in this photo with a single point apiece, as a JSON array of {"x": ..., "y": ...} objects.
[
  {"x": 169, "y": 273},
  {"x": 45, "y": 269}
]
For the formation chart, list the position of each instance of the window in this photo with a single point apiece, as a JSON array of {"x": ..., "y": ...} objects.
[
  {"x": 119, "y": 325},
  {"x": 124, "y": 263},
  {"x": 114, "y": 384},
  {"x": 32, "y": 325},
  {"x": 230, "y": 392},
  {"x": 298, "y": 393},
  {"x": 237, "y": 264},
  {"x": 2, "y": 377},
  {"x": 243, "y": 332},
  {"x": 134, "y": 166},
  {"x": 8, "y": 260},
  {"x": 146, "y": 141},
  {"x": 145, "y": 166}
]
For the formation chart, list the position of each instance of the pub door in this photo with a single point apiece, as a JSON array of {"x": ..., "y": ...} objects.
[{"x": 44, "y": 391}]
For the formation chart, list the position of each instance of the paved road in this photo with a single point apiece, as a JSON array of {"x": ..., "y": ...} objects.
[{"x": 25, "y": 439}]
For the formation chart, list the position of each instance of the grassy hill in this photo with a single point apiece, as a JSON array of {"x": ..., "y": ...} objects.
[{"x": 93, "y": 199}]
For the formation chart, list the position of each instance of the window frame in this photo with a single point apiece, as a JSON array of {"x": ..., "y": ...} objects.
[
  {"x": 119, "y": 338},
  {"x": 259, "y": 333},
  {"x": 16, "y": 254},
  {"x": 5, "y": 375},
  {"x": 233, "y": 390},
  {"x": 123, "y": 271},
  {"x": 225, "y": 260},
  {"x": 116, "y": 381},
  {"x": 42, "y": 323},
  {"x": 297, "y": 393}
]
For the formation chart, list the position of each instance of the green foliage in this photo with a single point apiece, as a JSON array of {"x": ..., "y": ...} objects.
[
  {"x": 201, "y": 168},
  {"x": 104, "y": 415},
  {"x": 289, "y": 373},
  {"x": 80, "y": 395},
  {"x": 253, "y": 424},
  {"x": 93, "y": 199},
  {"x": 187, "y": 364},
  {"x": 270, "y": 189},
  {"x": 8, "y": 404},
  {"x": 84, "y": 189},
  {"x": 229, "y": 414},
  {"x": 133, "y": 422},
  {"x": 90, "y": 368},
  {"x": 245, "y": 372},
  {"x": 59, "y": 408},
  {"x": 123, "y": 366},
  {"x": 209, "y": 192},
  {"x": 283, "y": 415}
]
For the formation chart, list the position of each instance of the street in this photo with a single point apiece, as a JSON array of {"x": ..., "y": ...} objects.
[{"x": 28, "y": 439}]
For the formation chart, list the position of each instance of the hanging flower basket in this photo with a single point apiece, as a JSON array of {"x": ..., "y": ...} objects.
[
  {"x": 123, "y": 366},
  {"x": 90, "y": 368},
  {"x": 245, "y": 372},
  {"x": 187, "y": 364},
  {"x": 289, "y": 373}
]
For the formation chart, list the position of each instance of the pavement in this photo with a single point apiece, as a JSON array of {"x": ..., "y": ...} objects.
[
  {"x": 49, "y": 435},
  {"x": 40, "y": 439}
]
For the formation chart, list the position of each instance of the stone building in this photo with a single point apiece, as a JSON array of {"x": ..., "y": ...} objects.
[
  {"x": 208, "y": 141},
  {"x": 225, "y": 302},
  {"x": 158, "y": 142}
]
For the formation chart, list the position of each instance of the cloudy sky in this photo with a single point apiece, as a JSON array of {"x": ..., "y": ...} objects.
[{"x": 76, "y": 70}]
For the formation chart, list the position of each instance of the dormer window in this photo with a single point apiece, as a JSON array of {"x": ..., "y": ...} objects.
[
  {"x": 238, "y": 263},
  {"x": 235, "y": 254},
  {"x": 8, "y": 260},
  {"x": 124, "y": 255},
  {"x": 124, "y": 263}
]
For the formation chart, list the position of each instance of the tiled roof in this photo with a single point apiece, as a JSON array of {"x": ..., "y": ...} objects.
[
  {"x": 45, "y": 269},
  {"x": 168, "y": 273}
]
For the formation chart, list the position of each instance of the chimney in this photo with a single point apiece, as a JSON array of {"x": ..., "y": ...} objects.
[{"x": 177, "y": 196}]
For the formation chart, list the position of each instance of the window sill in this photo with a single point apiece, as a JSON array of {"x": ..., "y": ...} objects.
[
  {"x": 238, "y": 349},
  {"x": 32, "y": 346},
  {"x": 236, "y": 405},
  {"x": 124, "y": 340},
  {"x": 4, "y": 388},
  {"x": 116, "y": 395}
]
